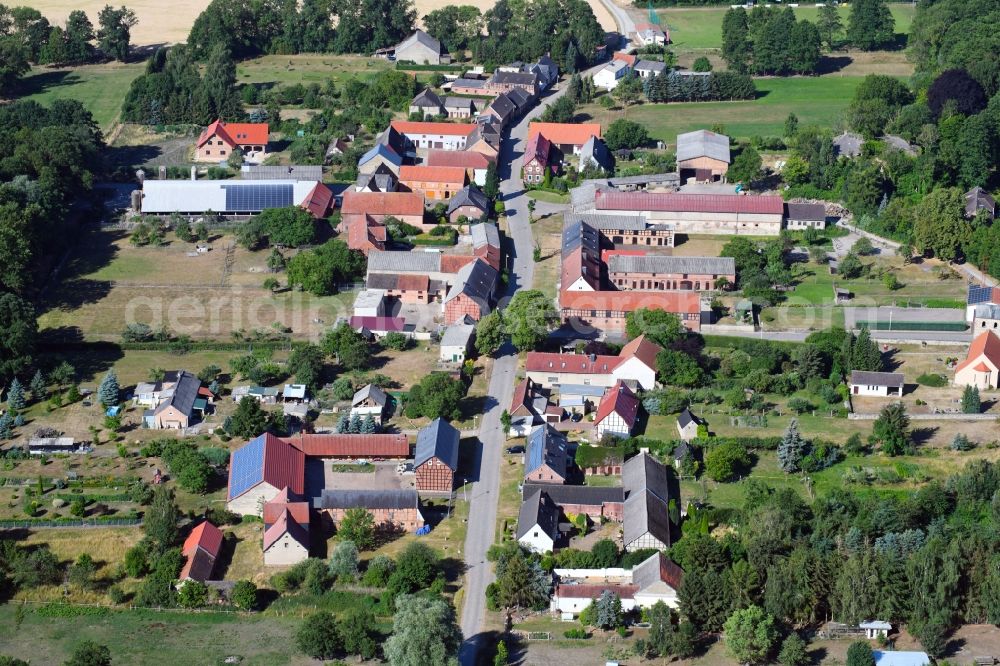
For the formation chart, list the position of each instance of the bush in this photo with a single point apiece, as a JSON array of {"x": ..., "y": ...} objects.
[
  {"x": 933, "y": 380},
  {"x": 576, "y": 633}
]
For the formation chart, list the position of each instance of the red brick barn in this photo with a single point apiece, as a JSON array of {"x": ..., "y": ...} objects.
[{"x": 436, "y": 457}]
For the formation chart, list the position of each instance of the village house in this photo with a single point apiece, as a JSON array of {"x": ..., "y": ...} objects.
[
  {"x": 362, "y": 215},
  {"x": 379, "y": 156},
  {"x": 407, "y": 289},
  {"x": 599, "y": 503},
  {"x": 436, "y": 457},
  {"x": 173, "y": 402},
  {"x": 617, "y": 412},
  {"x": 466, "y": 85},
  {"x": 425, "y": 104},
  {"x": 441, "y": 136},
  {"x": 456, "y": 342},
  {"x": 625, "y": 230},
  {"x": 265, "y": 395},
  {"x": 459, "y": 107},
  {"x": 881, "y": 384},
  {"x": 527, "y": 408},
  {"x": 472, "y": 294},
  {"x": 635, "y": 364},
  {"x": 435, "y": 183},
  {"x": 595, "y": 155},
  {"x": 422, "y": 49},
  {"x": 978, "y": 199},
  {"x": 650, "y": 34},
  {"x": 485, "y": 139},
  {"x": 662, "y": 272},
  {"x": 569, "y": 138},
  {"x": 698, "y": 213},
  {"x": 502, "y": 110},
  {"x": 607, "y": 310},
  {"x": 286, "y": 530},
  {"x": 201, "y": 550},
  {"x": 369, "y": 400},
  {"x": 651, "y": 515},
  {"x": 545, "y": 69},
  {"x": 981, "y": 367},
  {"x": 393, "y": 510},
  {"x": 653, "y": 580},
  {"x": 703, "y": 156},
  {"x": 537, "y": 158},
  {"x": 607, "y": 77},
  {"x": 370, "y": 303},
  {"x": 218, "y": 141},
  {"x": 545, "y": 457},
  {"x": 475, "y": 164},
  {"x": 688, "y": 424},
  {"x": 538, "y": 523},
  {"x": 486, "y": 243},
  {"x": 259, "y": 470},
  {"x": 233, "y": 197},
  {"x": 504, "y": 82},
  {"x": 470, "y": 203},
  {"x": 648, "y": 69},
  {"x": 805, "y": 215}
]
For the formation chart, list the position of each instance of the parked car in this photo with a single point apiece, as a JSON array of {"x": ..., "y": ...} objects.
[{"x": 515, "y": 449}]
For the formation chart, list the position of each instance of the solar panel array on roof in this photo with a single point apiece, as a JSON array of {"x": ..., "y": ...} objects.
[
  {"x": 246, "y": 467},
  {"x": 979, "y": 294},
  {"x": 258, "y": 197}
]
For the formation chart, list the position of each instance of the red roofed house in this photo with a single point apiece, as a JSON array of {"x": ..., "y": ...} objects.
[
  {"x": 628, "y": 58},
  {"x": 475, "y": 164},
  {"x": 388, "y": 446},
  {"x": 219, "y": 139},
  {"x": 435, "y": 183},
  {"x": 698, "y": 213},
  {"x": 537, "y": 154},
  {"x": 472, "y": 294},
  {"x": 201, "y": 550},
  {"x": 297, "y": 507},
  {"x": 567, "y": 137},
  {"x": 635, "y": 364},
  {"x": 981, "y": 367},
  {"x": 285, "y": 541},
  {"x": 319, "y": 201},
  {"x": 362, "y": 214},
  {"x": 617, "y": 412},
  {"x": 441, "y": 136},
  {"x": 607, "y": 309}
]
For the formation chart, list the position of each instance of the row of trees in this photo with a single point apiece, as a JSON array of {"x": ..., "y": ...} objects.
[
  {"x": 672, "y": 86},
  {"x": 768, "y": 40}
]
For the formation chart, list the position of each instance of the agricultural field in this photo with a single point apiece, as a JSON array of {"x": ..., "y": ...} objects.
[
  {"x": 696, "y": 28},
  {"x": 815, "y": 100},
  {"x": 108, "y": 282},
  {"x": 100, "y": 88}
]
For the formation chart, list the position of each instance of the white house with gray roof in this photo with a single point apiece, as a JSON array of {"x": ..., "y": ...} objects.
[
  {"x": 422, "y": 49},
  {"x": 456, "y": 342},
  {"x": 647, "y": 69}
]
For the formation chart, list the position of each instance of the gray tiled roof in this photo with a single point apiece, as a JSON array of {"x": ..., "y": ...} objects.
[
  {"x": 863, "y": 378},
  {"x": 702, "y": 143},
  {"x": 476, "y": 280},
  {"x": 643, "y": 472},
  {"x": 621, "y": 222},
  {"x": 470, "y": 195},
  {"x": 369, "y": 391},
  {"x": 452, "y": 102},
  {"x": 421, "y": 37},
  {"x": 367, "y": 499},
  {"x": 645, "y": 512},
  {"x": 403, "y": 262},
  {"x": 848, "y": 144},
  {"x": 657, "y": 263},
  {"x": 515, "y": 78},
  {"x": 503, "y": 105},
  {"x": 439, "y": 439},
  {"x": 427, "y": 98},
  {"x": 686, "y": 417},
  {"x": 286, "y": 172},
  {"x": 588, "y": 495},
  {"x": 457, "y": 335},
  {"x": 520, "y": 97},
  {"x": 537, "y": 509},
  {"x": 485, "y": 233},
  {"x": 805, "y": 211},
  {"x": 468, "y": 83},
  {"x": 650, "y": 65},
  {"x": 597, "y": 153}
]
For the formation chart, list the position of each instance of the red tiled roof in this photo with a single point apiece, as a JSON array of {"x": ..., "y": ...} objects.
[
  {"x": 624, "y": 57},
  {"x": 353, "y": 446},
  {"x": 573, "y": 265},
  {"x": 235, "y": 134},
  {"x": 643, "y": 349},
  {"x": 620, "y": 400},
  {"x": 563, "y": 133},
  {"x": 379, "y": 323},
  {"x": 564, "y": 591},
  {"x": 679, "y": 302},
  {"x": 574, "y": 363},
  {"x": 205, "y": 536},
  {"x": 537, "y": 149},
  {"x": 319, "y": 201},
  {"x": 607, "y": 254},
  {"x": 285, "y": 523},
  {"x": 984, "y": 345},
  {"x": 411, "y": 282},
  {"x": 467, "y": 159},
  {"x": 382, "y": 203},
  {"x": 689, "y": 203},
  {"x": 452, "y": 263},
  {"x": 519, "y": 400},
  {"x": 299, "y": 511},
  {"x": 365, "y": 234},
  {"x": 418, "y": 127},
  {"x": 452, "y": 175}
]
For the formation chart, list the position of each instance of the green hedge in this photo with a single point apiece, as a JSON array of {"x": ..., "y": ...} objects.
[
  {"x": 914, "y": 325},
  {"x": 433, "y": 241},
  {"x": 110, "y": 497},
  {"x": 747, "y": 344},
  {"x": 199, "y": 345},
  {"x": 414, "y": 67}
]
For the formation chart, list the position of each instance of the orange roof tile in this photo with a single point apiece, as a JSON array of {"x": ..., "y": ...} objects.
[
  {"x": 625, "y": 57},
  {"x": 581, "y": 364},
  {"x": 643, "y": 349},
  {"x": 382, "y": 203},
  {"x": 390, "y": 445},
  {"x": 467, "y": 159},
  {"x": 235, "y": 134},
  {"x": 563, "y": 133},
  {"x": 206, "y": 536},
  {"x": 620, "y": 400},
  {"x": 319, "y": 201},
  {"x": 452, "y": 263},
  {"x": 985, "y": 345},
  {"x": 680, "y": 302},
  {"x": 408, "y": 282},
  {"x": 299, "y": 511},
  {"x": 433, "y": 174},
  {"x": 418, "y": 127}
]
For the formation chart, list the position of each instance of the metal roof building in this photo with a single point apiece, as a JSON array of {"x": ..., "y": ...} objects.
[
  {"x": 222, "y": 196},
  {"x": 285, "y": 172},
  {"x": 367, "y": 499},
  {"x": 438, "y": 440},
  {"x": 702, "y": 143},
  {"x": 656, "y": 263}
]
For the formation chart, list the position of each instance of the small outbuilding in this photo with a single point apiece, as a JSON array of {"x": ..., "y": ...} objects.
[
  {"x": 456, "y": 342},
  {"x": 687, "y": 425},
  {"x": 882, "y": 384},
  {"x": 369, "y": 400}
]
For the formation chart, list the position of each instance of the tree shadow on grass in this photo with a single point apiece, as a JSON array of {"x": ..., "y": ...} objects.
[
  {"x": 831, "y": 64},
  {"x": 922, "y": 435},
  {"x": 47, "y": 80}
]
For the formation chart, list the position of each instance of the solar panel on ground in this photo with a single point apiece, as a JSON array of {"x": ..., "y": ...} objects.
[
  {"x": 247, "y": 467},
  {"x": 258, "y": 196}
]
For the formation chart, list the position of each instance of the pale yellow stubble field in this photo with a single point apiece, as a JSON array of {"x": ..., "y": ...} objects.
[{"x": 167, "y": 22}]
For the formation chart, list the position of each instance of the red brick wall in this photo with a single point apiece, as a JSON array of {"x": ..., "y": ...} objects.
[
  {"x": 406, "y": 519},
  {"x": 460, "y": 306},
  {"x": 435, "y": 476}
]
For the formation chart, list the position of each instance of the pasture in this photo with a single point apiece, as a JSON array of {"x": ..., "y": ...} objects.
[{"x": 100, "y": 88}]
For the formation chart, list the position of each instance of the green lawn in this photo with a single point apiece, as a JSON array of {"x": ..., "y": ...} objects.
[
  {"x": 315, "y": 68},
  {"x": 701, "y": 28},
  {"x": 815, "y": 100},
  {"x": 100, "y": 88}
]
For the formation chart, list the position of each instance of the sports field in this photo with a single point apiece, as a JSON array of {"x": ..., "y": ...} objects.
[
  {"x": 815, "y": 100},
  {"x": 100, "y": 88},
  {"x": 701, "y": 27}
]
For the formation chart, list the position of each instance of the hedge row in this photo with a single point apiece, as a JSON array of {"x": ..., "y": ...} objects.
[
  {"x": 115, "y": 497},
  {"x": 199, "y": 345},
  {"x": 414, "y": 67}
]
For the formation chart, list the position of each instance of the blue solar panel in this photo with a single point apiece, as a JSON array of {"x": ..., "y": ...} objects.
[
  {"x": 536, "y": 449},
  {"x": 258, "y": 196},
  {"x": 247, "y": 467},
  {"x": 979, "y": 294}
]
